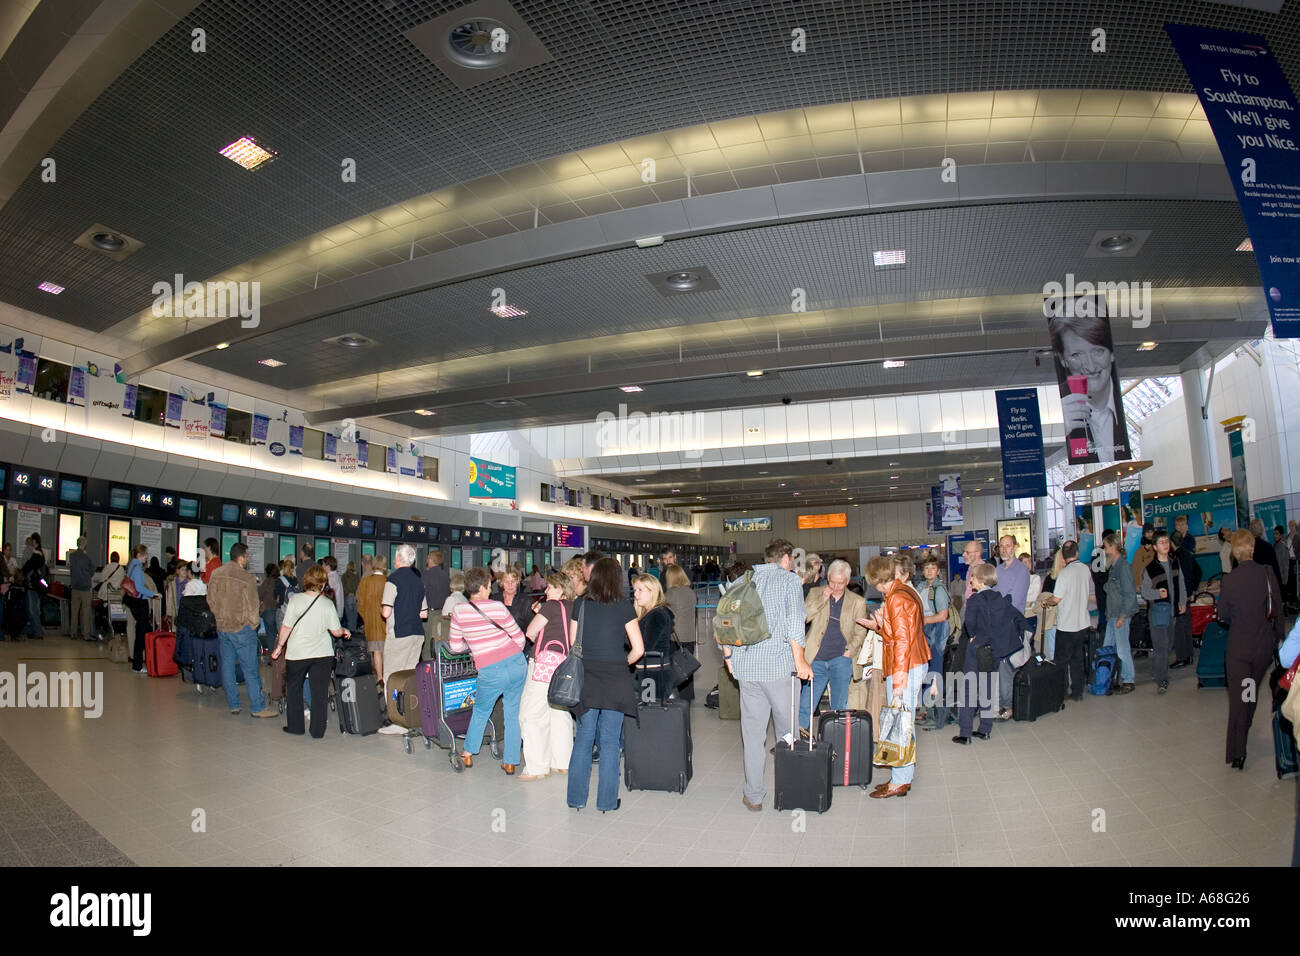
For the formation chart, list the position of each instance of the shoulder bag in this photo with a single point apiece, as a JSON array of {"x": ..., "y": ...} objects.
[
  {"x": 565, "y": 689},
  {"x": 548, "y": 654}
]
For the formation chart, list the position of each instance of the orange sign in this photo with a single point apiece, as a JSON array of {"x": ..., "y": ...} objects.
[{"x": 809, "y": 522}]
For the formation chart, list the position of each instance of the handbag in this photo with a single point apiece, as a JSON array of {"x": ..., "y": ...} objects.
[
  {"x": 1021, "y": 657},
  {"x": 897, "y": 745},
  {"x": 682, "y": 663},
  {"x": 129, "y": 588},
  {"x": 1161, "y": 614},
  {"x": 548, "y": 655},
  {"x": 565, "y": 689}
]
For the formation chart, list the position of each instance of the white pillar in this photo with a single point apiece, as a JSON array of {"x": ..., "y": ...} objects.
[
  {"x": 1042, "y": 518},
  {"x": 1199, "y": 445}
]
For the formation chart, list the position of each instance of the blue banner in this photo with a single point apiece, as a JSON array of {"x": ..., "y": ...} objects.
[
  {"x": 936, "y": 508},
  {"x": 1252, "y": 111},
  {"x": 1273, "y": 514},
  {"x": 956, "y": 544},
  {"x": 487, "y": 479},
  {"x": 1020, "y": 427}
]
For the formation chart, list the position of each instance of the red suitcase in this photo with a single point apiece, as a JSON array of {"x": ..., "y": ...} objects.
[
  {"x": 1202, "y": 614},
  {"x": 160, "y": 653}
]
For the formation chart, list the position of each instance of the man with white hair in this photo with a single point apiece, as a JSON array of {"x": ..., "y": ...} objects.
[
  {"x": 405, "y": 608},
  {"x": 833, "y": 643}
]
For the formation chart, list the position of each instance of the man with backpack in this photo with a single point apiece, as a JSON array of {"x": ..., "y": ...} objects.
[{"x": 771, "y": 603}]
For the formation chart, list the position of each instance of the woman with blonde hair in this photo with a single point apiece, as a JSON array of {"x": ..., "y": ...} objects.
[
  {"x": 906, "y": 658},
  {"x": 573, "y": 569},
  {"x": 547, "y": 730},
  {"x": 656, "y": 621},
  {"x": 681, "y": 601}
]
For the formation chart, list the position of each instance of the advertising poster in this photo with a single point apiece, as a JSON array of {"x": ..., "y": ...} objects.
[
  {"x": 1206, "y": 513},
  {"x": 950, "y": 497},
  {"x": 29, "y": 522},
  {"x": 1252, "y": 113},
  {"x": 347, "y": 457},
  {"x": 151, "y": 536},
  {"x": 196, "y": 419},
  {"x": 1019, "y": 528},
  {"x": 747, "y": 524},
  {"x": 363, "y": 453},
  {"x": 331, "y": 448},
  {"x": 8, "y": 377},
  {"x": 487, "y": 479},
  {"x": 175, "y": 411},
  {"x": 340, "y": 548},
  {"x": 295, "y": 439},
  {"x": 271, "y": 439},
  {"x": 217, "y": 421},
  {"x": 1020, "y": 429},
  {"x": 956, "y": 543},
  {"x": 1241, "y": 495},
  {"x": 26, "y": 372},
  {"x": 1084, "y": 355},
  {"x": 1272, "y": 513}
]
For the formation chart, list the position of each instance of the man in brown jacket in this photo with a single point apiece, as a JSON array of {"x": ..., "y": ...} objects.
[
  {"x": 834, "y": 641},
  {"x": 232, "y": 596}
]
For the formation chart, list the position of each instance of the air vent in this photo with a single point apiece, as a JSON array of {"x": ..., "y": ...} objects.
[
  {"x": 1117, "y": 243},
  {"x": 479, "y": 42},
  {"x": 353, "y": 340},
  {"x": 113, "y": 243},
  {"x": 684, "y": 281},
  {"x": 506, "y": 403}
]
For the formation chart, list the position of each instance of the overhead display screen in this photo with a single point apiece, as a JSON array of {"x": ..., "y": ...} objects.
[
  {"x": 809, "y": 522},
  {"x": 570, "y": 536}
]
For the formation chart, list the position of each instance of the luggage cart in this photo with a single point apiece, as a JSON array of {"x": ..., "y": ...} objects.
[
  {"x": 447, "y": 683},
  {"x": 704, "y": 611}
]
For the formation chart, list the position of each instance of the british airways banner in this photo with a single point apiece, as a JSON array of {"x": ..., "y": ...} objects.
[
  {"x": 1020, "y": 427},
  {"x": 1252, "y": 112}
]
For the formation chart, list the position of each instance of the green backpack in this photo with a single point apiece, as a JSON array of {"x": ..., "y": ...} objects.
[{"x": 740, "y": 618}]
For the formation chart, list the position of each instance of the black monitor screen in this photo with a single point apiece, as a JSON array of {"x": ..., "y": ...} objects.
[
  {"x": 455, "y": 534},
  {"x": 229, "y": 513},
  {"x": 394, "y": 530},
  {"x": 188, "y": 507},
  {"x": 289, "y": 519},
  {"x": 70, "y": 491},
  {"x": 119, "y": 499},
  {"x": 322, "y": 524},
  {"x": 368, "y": 527}
]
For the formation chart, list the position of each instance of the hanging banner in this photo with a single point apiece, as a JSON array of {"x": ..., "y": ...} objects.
[
  {"x": 256, "y": 544},
  {"x": 150, "y": 536},
  {"x": 390, "y": 464},
  {"x": 1241, "y": 496},
  {"x": 273, "y": 445},
  {"x": 1273, "y": 514},
  {"x": 26, "y": 372},
  {"x": 217, "y": 420},
  {"x": 295, "y": 439},
  {"x": 1084, "y": 354},
  {"x": 950, "y": 498},
  {"x": 261, "y": 425},
  {"x": 487, "y": 479},
  {"x": 1020, "y": 428},
  {"x": 196, "y": 420},
  {"x": 363, "y": 453},
  {"x": 1252, "y": 113},
  {"x": 174, "y": 416},
  {"x": 936, "y": 508},
  {"x": 331, "y": 448},
  {"x": 77, "y": 387}
]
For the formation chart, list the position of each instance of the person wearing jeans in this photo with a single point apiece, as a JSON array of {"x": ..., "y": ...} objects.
[
  {"x": 1166, "y": 597},
  {"x": 486, "y": 628},
  {"x": 608, "y": 639},
  {"x": 139, "y": 605},
  {"x": 834, "y": 641},
  {"x": 232, "y": 597},
  {"x": 1121, "y": 605}
]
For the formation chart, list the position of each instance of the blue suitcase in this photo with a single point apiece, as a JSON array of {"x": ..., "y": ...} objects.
[
  {"x": 184, "y": 655},
  {"x": 1212, "y": 665},
  {"x": 207, "y": 662}
]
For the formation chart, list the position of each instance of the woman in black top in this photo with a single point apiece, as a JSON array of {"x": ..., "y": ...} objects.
[
  {"x": 610, "y": 641},
  {"x": 516, "y": 601},
  {"x": 656, "y": 619}
]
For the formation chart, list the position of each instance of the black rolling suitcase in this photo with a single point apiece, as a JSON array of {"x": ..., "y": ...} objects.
[
  {"x": 657, "y": 747},
  {"x": 361, "y": 710},
  {"x": 849, "y": 734},
  {"x": 15, "y": 612},
  {"x": 803, "y": 769},
  {"x": 1037, "y": 689}
]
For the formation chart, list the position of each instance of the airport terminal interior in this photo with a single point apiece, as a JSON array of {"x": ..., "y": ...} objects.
[{"x": 500, "y": 284}]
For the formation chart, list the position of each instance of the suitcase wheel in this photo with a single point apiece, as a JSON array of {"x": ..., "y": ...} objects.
[
  {"x": 428, "y": 744},
  {"x": 457, "y": 764},
  {"x": 406, "y": 744}
]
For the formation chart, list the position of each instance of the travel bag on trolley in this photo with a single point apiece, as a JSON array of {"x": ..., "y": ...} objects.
[{"x": 445, "y": 686}]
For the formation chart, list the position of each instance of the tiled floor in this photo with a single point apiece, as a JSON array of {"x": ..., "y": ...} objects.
[{"x": 139, "y": 774}]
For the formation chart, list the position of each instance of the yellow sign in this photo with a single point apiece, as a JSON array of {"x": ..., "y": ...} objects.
[
  {"x": 473, "y": 471},
  {"x": 812, "y": 522},
  {"x": 1020, "y": 529}
]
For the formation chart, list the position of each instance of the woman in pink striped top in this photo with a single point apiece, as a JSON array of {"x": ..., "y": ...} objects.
[{"x": 492, "y": 636}]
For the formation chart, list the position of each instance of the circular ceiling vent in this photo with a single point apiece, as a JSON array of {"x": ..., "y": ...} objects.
[
  {"x": 352, "y": 340},
  {"x": 1116, "y": 243},
  {"x": 108, "y": 241},
  {"x": 470, "y": 43},
  {"x": 682, "y": 281},
  {"x": 505, "y": 403}
]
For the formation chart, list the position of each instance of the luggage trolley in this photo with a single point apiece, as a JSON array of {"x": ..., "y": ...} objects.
[{"x": 447, "y": 683}]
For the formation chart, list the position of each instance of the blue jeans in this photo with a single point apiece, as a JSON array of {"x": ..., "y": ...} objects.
[
  {"x": 1117, "y": 637},
  {"x": 350, "y": 611},
  {"x": 605, "y": 726},
  {"x": 272, "y": 632},
  {"x": 504, "y": 679},
  {"x": 34, "y": 627},
  {"x": 936, "y": 635},
  {"x": 911, "y": 696},
  {"x": 1049, "y": 644},
  {"x": 835, "y": 672},
  {"x": 241, "y": 647}
]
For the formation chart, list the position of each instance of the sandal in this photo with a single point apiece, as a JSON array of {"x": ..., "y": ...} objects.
[
  {"x": 533, "y": 776},
  {"x": 558, "y": 770},
  {"x": 467, "y": 759},
  {"x": 1004, "y": 714}
]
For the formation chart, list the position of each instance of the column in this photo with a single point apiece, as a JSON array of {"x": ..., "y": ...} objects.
[{"x": 1199, "y": 446}]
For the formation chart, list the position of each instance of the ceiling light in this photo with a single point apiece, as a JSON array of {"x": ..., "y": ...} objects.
[
  {"x": 889, "y": 257},
  {"x": 108, "y": 241},
  {"x": 893, "y": 477},
  {"x": 222, "y": 346},
  {"x": 699, "y": 497},
  {"x": 892, "y": 464},
  {"x": 752, "y": 430},
  {"x": 630, "y": 388},
  {"x": 247, "y": 153},
  {"x": 1116, "y": 243},
  {"x": 507, "y": 311},
  {"x": 783, "y": 484},
  {"x": 1246, "y": 245},
  {"x": 893, "y": 487},
  {"x": 50, "y": 287},
  {"x": 894, "y": 363},
  {"x": 796, "y": 494},
  {"x": 762, "y": 473},
  {"x": 270, "y": 362},
  {"x": 505, "y": 403},
  {"x": 1146, "y": 346},
  {"x": 353, "y": 340},
  {"x": 639, "y": 479},
  {"x": 755, "y": 373},
  {"x": 649, "y": 242},
  {"x": 675, "y": 490},
  {"x": 682, "y": 281},
  {"x": 844, "y": 489},
  {"x": 424, "y": 411}
]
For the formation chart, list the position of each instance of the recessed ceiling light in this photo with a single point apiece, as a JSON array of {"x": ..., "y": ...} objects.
[
  {"x": 893, "y": 477},
  {"x": 630, "y": 388},
  {"x": 1146, "y": 346},
  {"x": 649, "y": 241},
  {"x": 505, "y": 403},
  {"x": 222, "y": 346},
  {"x": 640, "y": 479},
  {"x": 1246, "y": 245},
  {"x": 894, "y": 363},
  {"x": 783, "y": 484},
  {"x": 675, "y": 490},
  {"x": 892, "y": 464},
  {"x": 270, "y": 362},
  {"x": 796, "y": 494},
  {"x": 108, "y": 241},
  {"x": 247, "y": 153},
  {"x": 507, "y": 311},
  {"x": 889, "y": 257},
  {"x": 1116, "y": 243},
  {"x": 699, "y": 497},
  {"x": 50, "y": 287},
  {"x": 893, "y": 487},
  {"x": 424, "y": 411},
  {"x": 755, "y": 373},
  {"x": 762, "y": 473},
  {"x": 844, "y": 489},
  {"x": 353, "y": 340}
]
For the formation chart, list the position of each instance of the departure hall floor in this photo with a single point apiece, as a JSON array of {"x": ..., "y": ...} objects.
[{"x": 130, "y": 785}]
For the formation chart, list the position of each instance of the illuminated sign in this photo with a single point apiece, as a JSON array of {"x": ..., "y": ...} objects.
[
  {"x": 570, "y": 536},
  {"x": 813, "y": 522}
]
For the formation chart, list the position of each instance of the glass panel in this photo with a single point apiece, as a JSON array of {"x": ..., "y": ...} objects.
[
  {"x": 239, "y": 426},
  {"x": 51, "y": 380},
  {"x": 150, "y": 405}
]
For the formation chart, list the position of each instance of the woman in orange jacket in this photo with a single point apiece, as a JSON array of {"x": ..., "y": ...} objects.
[{"x": 901, "y": 622}]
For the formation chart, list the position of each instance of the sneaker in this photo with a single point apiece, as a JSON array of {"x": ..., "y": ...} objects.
[
  {"x": 142, "y": 672},
  {"x": 266, "y": 712},
  {"x": 1124, "y": 689},
  {"x": 234, "y": 710},
  {"x": 392, "y": 729},
  {"x": 1163, "y": 688}
]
